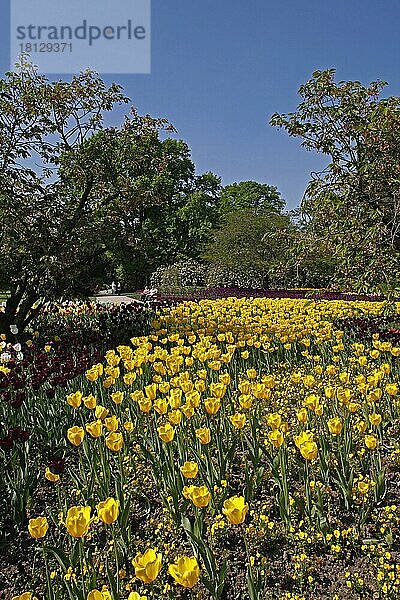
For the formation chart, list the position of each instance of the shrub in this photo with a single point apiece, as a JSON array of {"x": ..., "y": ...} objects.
[
  {"x": 186, "y": 273},
  {"x": 220, "y": 276}
]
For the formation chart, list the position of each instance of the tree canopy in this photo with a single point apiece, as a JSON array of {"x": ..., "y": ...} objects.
[
  {"x": 352, "y": 207},
  {"x": 250, "y": 195},
  {"x": 64, "y": 178}
]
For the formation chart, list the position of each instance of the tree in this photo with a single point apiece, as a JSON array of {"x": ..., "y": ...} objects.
[
  {"x": 250, "y": 242},
  {"x": 180, "y": 228},
  {"x": 250, "y": 195},
  {"x": 173, "y": 230},
  {"x": 136, "y": 230},
  {"x": 63, "y": 179},
  {"x": 352, "y": 208}
]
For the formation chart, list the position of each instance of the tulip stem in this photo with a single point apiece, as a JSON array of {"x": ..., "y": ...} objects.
[
  {"x": 82, "y": 563},
  {"x": 308, "y": 494},
  {"x": 253, "y": 591},
  {"x": 50, "y": 594},
  {"x": 116, "y": 559},
  {"x": 285, "y": 489}
]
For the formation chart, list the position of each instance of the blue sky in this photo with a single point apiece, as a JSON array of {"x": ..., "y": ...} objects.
[{"x": 220, "y": 68}]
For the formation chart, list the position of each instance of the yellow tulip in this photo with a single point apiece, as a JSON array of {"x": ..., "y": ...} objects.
[
  {"x": 302, "y": 415},
  {"x": 392, "y": 389},
  {"x": 108, "y": 510},
  {"x": 189, "y": 469},
  {"x": 329, "y": 391},
  {"x": 371, "y": 441},
  {"x": 175, "y": 398},
  {"x": 319, "y": 408},
  {"x": 200, "y": 385},
  {"x": 274, "y": 420},
  {"x": 269, "y": 381},
  {"x": 200, "y": 496},
  {"x": 218, "y": 390},
  {"x": 117, "y": 397},
  {"x": 25, "y": 596},
  {"x": 136, "y": 596},
  {"x": 145, "y": 404},
  {"x": 203, "y": 434},
  {"x": 148, "y": 565},
  {"x": 245, "y": 401},
  {"x": 166, "y": 432},
  {"x": 309, "y": 450},
  {"x": 225, "y": 378},
  {"x": 284, "y": 427},
  {"x": 151, "y": 391},
  {"x": 78, "y": 521},
  {"x": 95, "y": 428},
  {"x": 51, "y": 476},
  {"x": 187, "y": 491},
  {"x": 235, "y": 509},
  {"x": 245, "y": 387},
  {"x": 185, "y": 570},
  {"x": 137, "y": 395},
  {"x": 361, "y": 426},
  {"x": 276, "y": 438},
  {"x": 101, "y": 412},
  {"x": 175, "y": 417},
  {"x": 375, "y": 419},
  {"x": 75, "y": 399},
  {"x": 114, "y": 441},
  {"x": 304, "y": 436},
  {"x": 374, "y": 395},
  {"x": 95, "y": 595},
  {"x": 238, "y": 420},
  {"x": 188, "y": 410},
  {"x": 251, "y": 374},
  {"x": 90, "y": 402},
  {"x": 311, "y": 401},
  {"x": 363, "y": 487},
  {"x": 111, "y": 423},
  {"x": 335, "y": 426},
  {"x": 38, "y": 527},
  {"x": 75, "y": 435},
  {"x": 92, "y": 375},
  {"x": 161, "y": 406},
  {"x": 164, "y": 387},
  {"x": 212, "y": 405},
  {"x": 129, "y": 378}
]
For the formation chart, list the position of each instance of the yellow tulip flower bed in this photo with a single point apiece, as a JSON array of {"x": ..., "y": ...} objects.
[{"x": 246, "y": 448}]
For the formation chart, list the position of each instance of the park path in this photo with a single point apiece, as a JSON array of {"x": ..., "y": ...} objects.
[{"x": 115, "y": 300}]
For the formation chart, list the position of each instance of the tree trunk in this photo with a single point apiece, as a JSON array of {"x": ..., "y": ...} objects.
[
  {"x": 16, "y": 312},
  {"x": 5, "y": 324}
]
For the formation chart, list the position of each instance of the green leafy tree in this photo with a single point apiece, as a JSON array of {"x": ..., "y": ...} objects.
[
  {"x": 138, "y": 228},
  {"x": 351, "y": 208},
  {"x": 61, "y": 184},
  {"x": 250, "y": 195},
  {"x": 176, "y": 229},
  {"x": 250, "y": 241},
  {"x": 299, "y": 263}
]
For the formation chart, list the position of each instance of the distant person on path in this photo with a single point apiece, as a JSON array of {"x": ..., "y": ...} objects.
[
  {"x": 113, "y": 288},
  {"x": 145, "y": 294},
  {"x": 149, "y": 294},
  {"x": 118, "y": 287}
]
